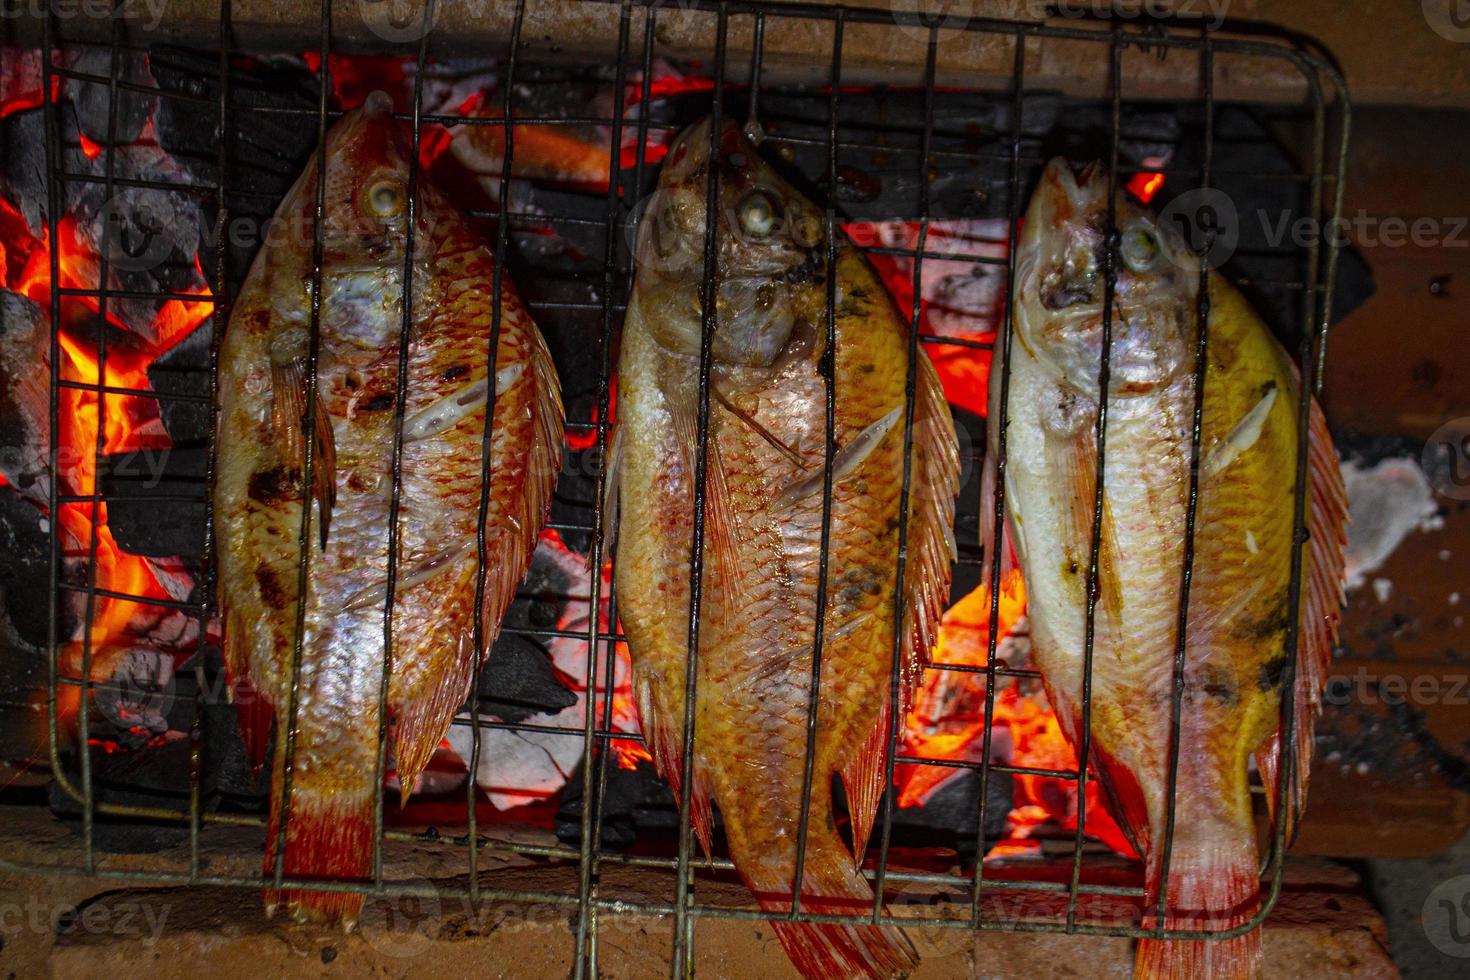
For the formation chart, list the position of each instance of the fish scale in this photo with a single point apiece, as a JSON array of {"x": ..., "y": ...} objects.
[
  {"x": 1237, "y": 624},
  {"x": 260, "y": 491},
  {"x": 763, "y": 534}
]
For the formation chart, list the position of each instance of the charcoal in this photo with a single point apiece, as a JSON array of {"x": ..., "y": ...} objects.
[
  {"x": 25, "y": 353},
  {"x": 635, "y": 803},
  {"x": 140, "y": 525},
  {"x": 948, "y": 817},
  {"x": 184, "y": 370},
  {"x": 272, "y": 133},
  {"x": 518, "y": 682},
  {"x": 93, "y": 100},
  {"x": 23, "y": 164},
  {"x": 25, "y": 573}
]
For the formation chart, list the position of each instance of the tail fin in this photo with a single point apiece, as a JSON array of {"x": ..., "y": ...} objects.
[
  {"x": 329, "y": 836},
  {"x": 831, "y": 886},
  {"x": 1213, "y": 892}
]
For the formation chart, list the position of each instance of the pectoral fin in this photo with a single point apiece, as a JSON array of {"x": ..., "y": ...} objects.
[
  {"x": 720, "y": 528},
  {"x": 844, "y": 463},
  {"x": 288, "y": 421},
  {"x": 1241, "y": 438},
  {"x": 1078, "y": 456}
]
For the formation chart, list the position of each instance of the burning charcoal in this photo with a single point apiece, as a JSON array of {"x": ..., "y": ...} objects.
[
  {"x": 23, "y": 165},
  {"x": 156, "y": 776},
  {"x": 272, "y": 132},
  {"x": 143, "y": 526},
  {"x": 137, "y": 696},
  {"x": 184, "y": 370},
  {"x": 518, "y": 682},
  {"x": 25, "y": 352},
  {"x": 156, "y": 772},
  {"x": 93, "y": 100},
  {"x": 636, "y": 804}
]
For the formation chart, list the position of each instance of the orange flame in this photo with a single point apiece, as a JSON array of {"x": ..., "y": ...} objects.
[
  {"x": 947, "y": 722},
  {"x": 947, "y": 718},
  {"x": 128, "y": 424}
]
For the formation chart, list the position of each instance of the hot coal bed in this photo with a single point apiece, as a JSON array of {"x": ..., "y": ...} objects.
[{"x": 141, "y": 159}]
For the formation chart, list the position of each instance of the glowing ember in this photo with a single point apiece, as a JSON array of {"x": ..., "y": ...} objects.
[
  {"x": 578, "y": 441},
  {"x": 1145, "y": 184},
  {"x": 964, "y": 367}
]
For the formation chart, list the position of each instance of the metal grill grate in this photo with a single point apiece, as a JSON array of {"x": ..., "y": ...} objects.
[{"x": 592, "y": 902}]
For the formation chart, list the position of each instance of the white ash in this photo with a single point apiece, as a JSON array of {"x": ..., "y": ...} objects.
[{"x": 1387, "y": 502}]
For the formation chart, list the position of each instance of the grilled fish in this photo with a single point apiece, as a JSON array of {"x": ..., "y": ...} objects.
[
  {"x": 264, "y": 436},
  {"x": 763, "y": 506},
  {"x": 1236, "y": 633}
]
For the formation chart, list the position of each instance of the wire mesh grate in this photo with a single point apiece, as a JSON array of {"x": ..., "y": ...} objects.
[{"x": 634, "y": 45}]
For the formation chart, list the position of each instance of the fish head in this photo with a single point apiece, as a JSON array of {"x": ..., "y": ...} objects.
[
  {"x": 1061, "y": 287},
  {"x": 364, "y": 236},
  {"x": 769, "y": 250}
]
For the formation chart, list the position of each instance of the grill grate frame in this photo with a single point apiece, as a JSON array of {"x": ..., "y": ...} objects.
[{"x": 1330, "y": 125}]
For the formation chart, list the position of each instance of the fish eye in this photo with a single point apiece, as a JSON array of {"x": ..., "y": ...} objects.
[
  {"x": 757, "y": 213},
  {"x": 386, "y": 198},
  {"x": 1140, "y": 249}
]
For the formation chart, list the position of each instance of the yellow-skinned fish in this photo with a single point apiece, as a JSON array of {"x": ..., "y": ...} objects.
[
  {"x": 763, "y": 520},
  {"x": 260, "y": 490},
  {"x": 1236, "y": 633}
]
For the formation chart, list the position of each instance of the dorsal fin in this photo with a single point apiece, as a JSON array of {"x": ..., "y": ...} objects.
[
  {"x": 1322, "y": 597},
  {"x": 931, "y": 549},
  {"x": 420, "y": 725}
]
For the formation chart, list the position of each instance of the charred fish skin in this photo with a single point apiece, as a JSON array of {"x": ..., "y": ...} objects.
[
  {"x": 763, "y": 517},
  {"x": 1237, "y": 627},
  {"x": 263, "y": 438}
]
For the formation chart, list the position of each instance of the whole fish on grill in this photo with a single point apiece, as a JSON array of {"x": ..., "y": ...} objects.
[
  {"x": 763, "y": 503},
  {"x": 1238, "y": 616},
  {"x": 264, "y": 435}
]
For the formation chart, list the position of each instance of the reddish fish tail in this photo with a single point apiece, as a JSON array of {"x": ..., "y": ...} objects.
[
  {"x": 832, "y": 886},
  {"x": 329, "y": 836},
  {"x": 1210, "y": 893}
]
